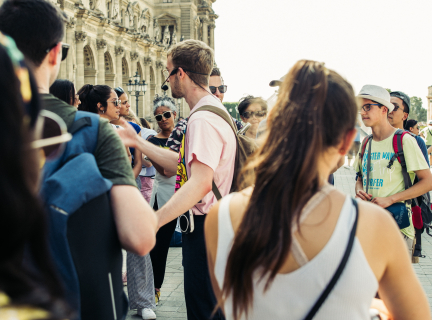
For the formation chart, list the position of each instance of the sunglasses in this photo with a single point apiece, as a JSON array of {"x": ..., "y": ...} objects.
[
  {"x": 51, "y": 133},
  {"x": 222, "y": 89},
  {"x": 65, "y": 50},
  {"x": 116, "y": 102},
  {"x": 368, "y": 106},
  {"x": 166, "y": 115},
  {"x": 250, "y": 114}
]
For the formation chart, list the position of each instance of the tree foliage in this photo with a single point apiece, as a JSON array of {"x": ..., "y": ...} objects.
[
  {"x": 417, "y": 111},
  {"x": 231, "y": 107}
]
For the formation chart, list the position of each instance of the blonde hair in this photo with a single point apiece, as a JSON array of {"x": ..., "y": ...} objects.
[{"x": 194, "y": 56}]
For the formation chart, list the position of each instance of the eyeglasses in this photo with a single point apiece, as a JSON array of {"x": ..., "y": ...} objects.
[
  {"x": 51, "y": 133},
  {"x": 166, "y": 115},
  {"x": 222, "y": 89},
  {"x": 116, "y": 102},
  {"x": 250, "y": 114},
  {"x": 367, "y": 106},
  {"x": 65, "y": 50}
]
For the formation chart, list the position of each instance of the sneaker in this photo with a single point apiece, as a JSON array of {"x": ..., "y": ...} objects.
[
  {"x": 157, "y": 296},
  {"x": 146, "y": 313}
]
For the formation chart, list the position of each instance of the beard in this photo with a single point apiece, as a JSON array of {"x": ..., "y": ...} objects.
[{"x": 176, "y": 90}]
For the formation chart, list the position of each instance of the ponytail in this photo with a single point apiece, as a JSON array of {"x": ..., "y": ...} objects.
[{"x": 91, "y": 95}]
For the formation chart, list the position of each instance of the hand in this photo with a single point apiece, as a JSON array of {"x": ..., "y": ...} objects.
[
  {"x": 128, "y": 136},
  {"x": 383, "y": 202},
  {"x": 363, "y": 195}
]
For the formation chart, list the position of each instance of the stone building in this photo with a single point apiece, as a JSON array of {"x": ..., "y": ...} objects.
[{"x": 111, "y": 40}]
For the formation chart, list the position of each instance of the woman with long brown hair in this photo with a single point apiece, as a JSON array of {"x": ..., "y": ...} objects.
[{"x": 274, "y": 247}]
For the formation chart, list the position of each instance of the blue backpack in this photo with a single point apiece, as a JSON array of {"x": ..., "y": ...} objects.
[{"x": 82, "y": 233}]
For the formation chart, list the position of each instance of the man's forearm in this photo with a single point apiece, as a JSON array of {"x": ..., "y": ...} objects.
[
  {"x": 164, "y": 158},
  {"x": 183, "y": 200},
  {"x": 415, "y": 191}
]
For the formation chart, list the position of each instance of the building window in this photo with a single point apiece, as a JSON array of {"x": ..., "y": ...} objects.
[{"x": 167, "y": 1}]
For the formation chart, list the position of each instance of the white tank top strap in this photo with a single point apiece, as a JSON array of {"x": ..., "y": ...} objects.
[
  {"x": 225, "y": 238},
  {"x": 296, "y": 249}
]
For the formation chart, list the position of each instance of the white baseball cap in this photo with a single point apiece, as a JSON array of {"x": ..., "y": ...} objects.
[
  {"x": 377, "y": 94},
  {"x": 430, "y": 122}
]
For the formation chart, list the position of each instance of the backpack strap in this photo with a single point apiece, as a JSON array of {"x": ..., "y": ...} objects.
[
  {"x": 399, "y": 154},
  {"x": 79, "y": 124},
  {"x": 363, "y": 147}
]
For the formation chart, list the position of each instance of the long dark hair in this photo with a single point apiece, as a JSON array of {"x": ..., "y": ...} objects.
[
  {"x": 409, "y": 124},
  {"x": 64, "y": 90},
  {"x": 23, "y": 222},
  {"x": 91, "y": 95},
  {"x": 316, "y": 107}
]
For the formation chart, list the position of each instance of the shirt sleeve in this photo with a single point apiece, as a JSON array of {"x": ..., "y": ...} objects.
[
  {"x": 205, "y": 143},
  {"x": 111, "y": 156},
  {"x": 413, "y": 155},
  {"x": 423, "y": 148}
]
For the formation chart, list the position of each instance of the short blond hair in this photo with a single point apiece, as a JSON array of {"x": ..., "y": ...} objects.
[{"x": 194, "y": 56}]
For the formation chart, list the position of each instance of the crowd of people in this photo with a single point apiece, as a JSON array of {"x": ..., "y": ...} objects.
[{"x": 264, "y": 233}]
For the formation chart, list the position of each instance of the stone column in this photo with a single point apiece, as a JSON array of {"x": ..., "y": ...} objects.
[
  {"x": 147, "y": 97},
  {"x": 205, "y": 30},
  {"x": 101, "y": 46},
  {"x": 70, "y": 33},
  {"x": 80, "y": 37},
  {"x": 158, "y": 80},
  {"x": 119, "y": 74},
  {"x": 212, "y": 35}
]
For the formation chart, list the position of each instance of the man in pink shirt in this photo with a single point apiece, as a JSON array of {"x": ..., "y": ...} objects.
[{"x": 209, "y": 154}]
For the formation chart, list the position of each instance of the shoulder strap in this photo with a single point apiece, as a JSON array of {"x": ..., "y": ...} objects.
[
  {"x": 399, "y": 154},
  {"x": 339, "y": 270},
  {"x": 221, "y": 113},
  {"x": 80, "y": 123}
]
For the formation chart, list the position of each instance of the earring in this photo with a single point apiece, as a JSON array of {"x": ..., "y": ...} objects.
[{"x": 342, "y": 151}]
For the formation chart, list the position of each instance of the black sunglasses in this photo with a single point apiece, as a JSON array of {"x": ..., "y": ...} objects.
[
  {"x": 166, "y": 115},
  {"x": 222, "y": 89},
  {"x": 258, "y": 114},
  {"x": 65, "y": 50}
]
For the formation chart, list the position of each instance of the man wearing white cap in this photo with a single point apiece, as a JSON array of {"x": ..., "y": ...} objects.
[
  {"x": 382, "y": 182},
  {"x": 427, "y": 134}
]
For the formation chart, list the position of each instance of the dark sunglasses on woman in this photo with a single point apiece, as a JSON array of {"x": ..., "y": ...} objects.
[
  {"x": 166, "y": 115},
  {"x": 222, "y": 89},
  {"x": 250, "y": 114}
]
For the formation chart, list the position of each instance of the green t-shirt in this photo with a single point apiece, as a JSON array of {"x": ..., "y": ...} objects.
[
  {"x": 427, "y": 133},
  {"x": 384, "y": 182},
  {"x": 110, "y": 153}
]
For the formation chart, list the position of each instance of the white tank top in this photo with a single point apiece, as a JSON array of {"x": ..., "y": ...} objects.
[{"x": 292, "y": 295}]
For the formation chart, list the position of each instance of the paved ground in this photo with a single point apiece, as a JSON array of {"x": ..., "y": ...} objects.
[{"x": 172, "y": 304}]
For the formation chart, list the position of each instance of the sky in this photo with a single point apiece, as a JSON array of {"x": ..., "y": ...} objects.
[{"x": 381, "y": 42}]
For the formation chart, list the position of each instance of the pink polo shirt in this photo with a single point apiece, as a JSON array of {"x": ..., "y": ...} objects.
[{"x": 211, "y": 141}]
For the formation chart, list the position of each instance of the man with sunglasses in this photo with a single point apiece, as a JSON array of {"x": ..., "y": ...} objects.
[
  {"x": 133, "y": 220},
  {"x": 208, "y": 153},
  {"x": 386, "y": 185}
]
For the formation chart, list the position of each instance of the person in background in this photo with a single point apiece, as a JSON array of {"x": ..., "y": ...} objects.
[
  {"x": 127, "y": 114},
  {"x": 26, "y": 291},
  {"x": 165, "y": 111},
  {"x": 426, "y": 134},
  {"x": 100, "y": 99},
  {"x": 252, "y": 110},
  {"x": 310, "y": 128},
  {"x": 148, "y": 172},
  {"x": 356, "y": 145},
  {"x": 65, "y": 90},
  {"x": 412, "y": 126}
]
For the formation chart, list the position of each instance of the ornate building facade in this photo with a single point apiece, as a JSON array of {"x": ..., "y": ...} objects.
[{"x": 111, "y": 40}]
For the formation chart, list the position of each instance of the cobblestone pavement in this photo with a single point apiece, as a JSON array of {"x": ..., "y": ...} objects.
[{"x": 172, "y": 303}]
